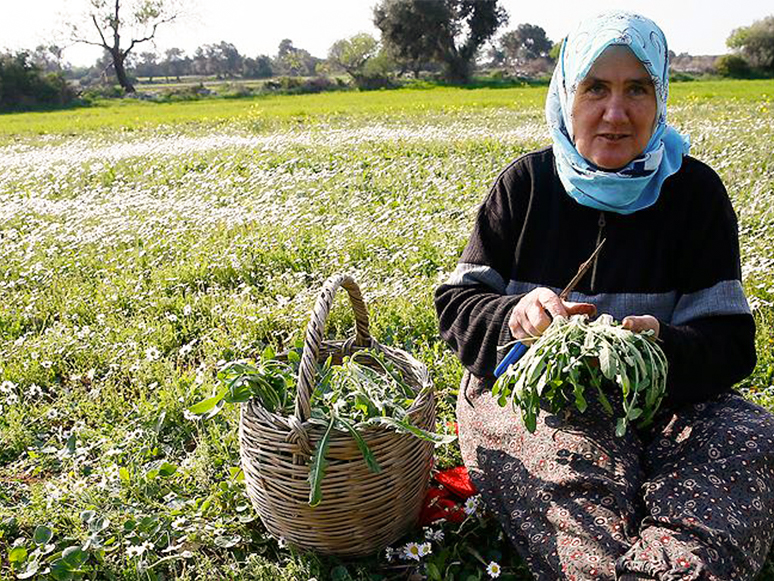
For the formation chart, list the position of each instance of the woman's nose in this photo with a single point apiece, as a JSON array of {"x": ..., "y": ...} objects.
[{"x": 615, "y": 110}]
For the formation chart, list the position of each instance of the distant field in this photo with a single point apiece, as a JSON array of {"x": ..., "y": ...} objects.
[
  {"x": 256, "y": 114},
  {"x": 142, "y": 245}
]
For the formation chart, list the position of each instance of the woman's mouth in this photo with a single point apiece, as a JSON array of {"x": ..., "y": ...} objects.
[{"x": 613, "y": 136}]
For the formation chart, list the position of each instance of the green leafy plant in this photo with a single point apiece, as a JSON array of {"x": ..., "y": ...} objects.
[
  {"x": 574, "y": 354},
  {"x": 364, "y": 390}
]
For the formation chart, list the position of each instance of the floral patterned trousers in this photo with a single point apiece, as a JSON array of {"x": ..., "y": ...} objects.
[{"x": 691, "y": 497}]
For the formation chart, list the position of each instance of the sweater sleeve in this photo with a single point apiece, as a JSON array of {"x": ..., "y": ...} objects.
[
  {"x": 710, "y": 340},
  {"x": 472, "y": 305}
]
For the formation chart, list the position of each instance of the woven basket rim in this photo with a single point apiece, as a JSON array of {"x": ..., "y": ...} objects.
[{"x": 422, "y": 395}]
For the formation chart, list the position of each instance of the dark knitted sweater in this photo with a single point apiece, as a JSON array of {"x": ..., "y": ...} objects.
[{"x": 677, "y": 260}]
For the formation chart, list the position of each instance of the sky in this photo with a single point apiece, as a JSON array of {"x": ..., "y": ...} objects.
[{"x": 257, "y": 26}]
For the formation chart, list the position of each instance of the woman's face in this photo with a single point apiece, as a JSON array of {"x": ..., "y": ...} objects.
[{"x": 614, "y": 109}]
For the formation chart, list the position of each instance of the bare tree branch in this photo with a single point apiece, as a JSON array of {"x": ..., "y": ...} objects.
[
  {"x": 149, "y": 37},
  {"x": 99, "y": 44},
  {"x": 102, "y": 36}
]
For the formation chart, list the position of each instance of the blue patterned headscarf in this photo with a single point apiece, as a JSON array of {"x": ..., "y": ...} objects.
[{"x": 637, "y": 185}]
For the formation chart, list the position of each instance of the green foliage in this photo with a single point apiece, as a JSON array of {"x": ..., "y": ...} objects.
[
  {"x": 416, "y": 30},
  {"x": 23, "y": 85},
  {"x": 528, "y": 42},
  {"x": 573, "y": 355},
  {"x": 353, "y": 54},
  {"x": 756, "y": 42},
  {"x": 365, "y": 389},
  {"x": 732, "y": 65},
  {"x": 293, "y": 61},
  {"x": 556, "y": 50}
]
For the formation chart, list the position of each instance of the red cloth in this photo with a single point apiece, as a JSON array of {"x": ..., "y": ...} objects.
[
  {"x": 457, "y": 481},
  {"x": 446, "y": 499}
]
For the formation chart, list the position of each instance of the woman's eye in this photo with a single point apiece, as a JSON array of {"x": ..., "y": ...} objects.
[
  {"x": 595, "y": 89},
  {"x": 638, "y": 90}
]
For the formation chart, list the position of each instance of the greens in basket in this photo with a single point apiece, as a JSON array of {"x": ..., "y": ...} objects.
[
  {"x": 573, "y": 355},
  {"x": 364, "y": 390}
]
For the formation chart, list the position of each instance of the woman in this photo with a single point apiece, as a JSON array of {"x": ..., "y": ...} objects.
[{"x": 691, "y": 497}]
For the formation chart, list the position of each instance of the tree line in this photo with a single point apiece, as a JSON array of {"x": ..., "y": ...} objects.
[{"x": 448, "y": 38}]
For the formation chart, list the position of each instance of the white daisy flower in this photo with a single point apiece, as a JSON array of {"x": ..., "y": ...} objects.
[
  {"x": 188, "y": 347},
  {"x": 7, "y": 386},
  {"x": 389, "y": 553},
  {"x": 186, "y": 554},
  {"x": 187, "y": 310},
  {"x": 135, "y": 550},
  {"x": 493, "y": 569},
  {"x": 179, "y": 522},
  {"x": 425, "y": 549},
  {"x": 471, "y": 505},
  {"x": 34, "y": 390},
  {"x": 282, "y": 543},
  {"x": 411, "y": 551},
  {"x": 152, "y": 353}
]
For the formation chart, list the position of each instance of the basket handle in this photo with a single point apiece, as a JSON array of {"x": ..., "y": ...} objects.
[{"x": 314, "y": 336}]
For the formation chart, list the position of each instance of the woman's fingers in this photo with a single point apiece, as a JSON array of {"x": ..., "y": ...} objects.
[
  {"x": 552, "y": 303},
  {"x": 580, "y": 308},
  {"x": 538, "y": 319},
  {"x": 639, "y": 323},
  {"x": 534, "y": 312}
]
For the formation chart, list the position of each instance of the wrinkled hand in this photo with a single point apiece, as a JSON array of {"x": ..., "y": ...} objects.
[
  {"x": 533, "y": 313},
  {"x": 639, "y": 323}
]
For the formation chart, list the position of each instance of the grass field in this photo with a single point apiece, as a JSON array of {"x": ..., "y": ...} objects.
[{"x": 142, "y": 245}]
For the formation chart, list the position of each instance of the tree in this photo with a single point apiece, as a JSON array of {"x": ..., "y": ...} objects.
[
  {"x": 755, "y": 42},
  {"x": 257, "y": 68},
  {"x": 174, "y": 63},
  {"x": 732, "y": 65},
  {"x": 110, "y": 22},
  {"x": 147, "y": 65},
  {"x": 449, "y": 32},
  {"x": 23, "y": 84},
  {"x": 527, "y": 43},
  {"x": 496, "y": 55},
  {"x": 48, "y": 58},
  {"x": 359, "y": 56},
  {"x": 222, "y": 59},
  {"x": 294, "y": 61},
  {"x": 556, "y": 50}
]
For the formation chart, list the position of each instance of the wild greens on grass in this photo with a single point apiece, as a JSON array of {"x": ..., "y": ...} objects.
[
  {"x": 575, "y": 354},
  {"x": 364, "y": 390}
]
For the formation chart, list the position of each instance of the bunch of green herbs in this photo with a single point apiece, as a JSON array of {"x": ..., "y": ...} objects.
[
  {"x": 364, "y": 390},
  {"x": 575, "y": 354}
]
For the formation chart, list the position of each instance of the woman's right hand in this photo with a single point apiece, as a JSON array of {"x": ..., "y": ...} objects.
[{"x": 533, "y": 313}]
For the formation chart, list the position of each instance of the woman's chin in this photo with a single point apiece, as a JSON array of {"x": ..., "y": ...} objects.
[{"x": 612, "y": 161}]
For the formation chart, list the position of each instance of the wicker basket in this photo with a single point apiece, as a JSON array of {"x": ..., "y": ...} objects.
[{"x": 361, "y": 512}]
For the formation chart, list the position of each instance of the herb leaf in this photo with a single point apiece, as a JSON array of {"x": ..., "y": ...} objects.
[{"x": 318, "y": 465}]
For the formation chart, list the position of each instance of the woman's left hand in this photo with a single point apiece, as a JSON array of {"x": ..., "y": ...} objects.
[{"x": 639, "y": 323}]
